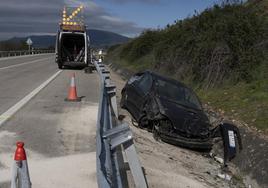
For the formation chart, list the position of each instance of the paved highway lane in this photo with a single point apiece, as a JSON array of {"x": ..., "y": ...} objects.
[
  {"x": 17, "y": 81},
  {"x": 20, "y": 60},
  {"x": 59, "y": 136}
]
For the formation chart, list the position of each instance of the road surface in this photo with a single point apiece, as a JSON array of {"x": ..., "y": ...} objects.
[{"x": 59, "y": 136}]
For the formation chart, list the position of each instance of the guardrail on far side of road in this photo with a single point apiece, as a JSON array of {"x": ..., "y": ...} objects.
[
  {"x": 113, "y": 139},
  {"x": 23, "y": 52}
]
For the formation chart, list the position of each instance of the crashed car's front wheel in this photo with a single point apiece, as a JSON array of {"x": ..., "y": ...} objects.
[
  {"x": 123, "y": 99},
  {"x": 159, "y": 127},
  {"x": 155, "y": 131}
]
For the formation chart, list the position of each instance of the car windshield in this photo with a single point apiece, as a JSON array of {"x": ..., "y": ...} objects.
[{"x": 178, "y": 94}]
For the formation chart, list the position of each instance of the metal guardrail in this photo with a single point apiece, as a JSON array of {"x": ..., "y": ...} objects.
[
  {"x": 115, "y": 147},
  {"x": 24, "y": 52}
]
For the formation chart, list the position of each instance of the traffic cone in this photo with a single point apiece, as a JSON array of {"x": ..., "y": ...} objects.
[
  {"x": 20, "y": 172},
  {"x": 72, "y": 96}
]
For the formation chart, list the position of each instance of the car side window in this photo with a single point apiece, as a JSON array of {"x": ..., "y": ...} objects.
[
  {"x": 192, "y": 99},
  {"x": 145, "y": 84}
]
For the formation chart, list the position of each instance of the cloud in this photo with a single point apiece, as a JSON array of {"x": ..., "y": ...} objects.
[
  {"x": 43, "y": 16},
  {"x": 97, "y": 18}
]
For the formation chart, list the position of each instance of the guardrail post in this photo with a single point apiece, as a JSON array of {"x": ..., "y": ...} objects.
[
  {"x": 122, "y": 135},
  {"x": 112, "y": 96}
]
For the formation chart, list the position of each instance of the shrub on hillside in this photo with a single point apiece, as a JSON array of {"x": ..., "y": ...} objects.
[{"x": 216, "y": 45}]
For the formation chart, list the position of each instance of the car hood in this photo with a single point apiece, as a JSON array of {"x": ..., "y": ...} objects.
[{"x": 187, "y": 121}]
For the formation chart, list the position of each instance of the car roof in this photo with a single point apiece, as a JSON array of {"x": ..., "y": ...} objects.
[{"x": 160, "y": 77}]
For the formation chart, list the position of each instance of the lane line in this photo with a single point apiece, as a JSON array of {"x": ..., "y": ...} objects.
[
  {"x": 30, "y": 62},
  {"x": 23, "y": 56},
  {"x": 11, "y": 111}
]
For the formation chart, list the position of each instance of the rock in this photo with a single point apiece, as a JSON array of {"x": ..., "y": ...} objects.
[
  {"x": 171, "y": 158},
  {"x": 208, "y": 172},
  {"x": 201, "y": 178},
  {"x": 224, "y": 176},
  {"x": 211, "y": 154},
  {"x": 219, "y": 160}
]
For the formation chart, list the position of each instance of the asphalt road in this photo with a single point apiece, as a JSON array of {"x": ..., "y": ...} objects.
[
  {"x": 59, "y": 136},
  {"x": 20, "y": 75}
]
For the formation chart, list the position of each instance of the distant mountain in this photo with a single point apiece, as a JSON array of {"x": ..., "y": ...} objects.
[
  {"x": 43, "y": 41},
  {"x": 98, "y": 38},
  {"x": 106, "y": 38}
]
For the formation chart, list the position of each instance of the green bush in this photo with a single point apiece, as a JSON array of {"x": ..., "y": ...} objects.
[{"x": 215, "y": 45}]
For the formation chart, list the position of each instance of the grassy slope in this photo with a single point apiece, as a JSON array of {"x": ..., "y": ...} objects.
[
  {"x": 245, "y": 101},
  {"x": 242, "y": 100}
]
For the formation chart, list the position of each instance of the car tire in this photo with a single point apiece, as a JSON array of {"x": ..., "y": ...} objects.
[
  {"x": 134, "y": 123},
  {"x": 123, "y": 99},
  {"x": 156, "y": 134},
  {"x": 60, "y": 66}
]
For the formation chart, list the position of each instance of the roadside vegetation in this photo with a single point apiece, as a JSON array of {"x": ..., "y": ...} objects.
[
  {"x": 10, "y": 46},
  {"x": 221, "y": 52}
]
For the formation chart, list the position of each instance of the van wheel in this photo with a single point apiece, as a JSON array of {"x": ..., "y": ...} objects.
[
  {"x": 60, "y": 65},
  {"x": 88, "y": 70}
]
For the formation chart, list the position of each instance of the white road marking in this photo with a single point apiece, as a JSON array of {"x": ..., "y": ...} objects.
[
  {"x": 30, "y": 62},
  {"x": 11, "y": 111}
]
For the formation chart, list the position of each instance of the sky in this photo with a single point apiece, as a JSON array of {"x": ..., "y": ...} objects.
[{"x": 127, "y": 17}]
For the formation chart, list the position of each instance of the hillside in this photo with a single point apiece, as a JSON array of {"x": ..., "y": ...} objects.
[
  {"x": 261, "y": 5},
  {"x": 104, "y": 38},
  {"x": 221, "y": 53},
  {"x": 99, "y": 38}
]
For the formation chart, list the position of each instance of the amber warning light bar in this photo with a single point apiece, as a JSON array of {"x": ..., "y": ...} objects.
[{"x": 73, "y": 19}]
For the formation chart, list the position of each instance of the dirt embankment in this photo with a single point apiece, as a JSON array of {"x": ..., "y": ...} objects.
[
  {"x": 253, "y": 159},
  {"x": 170, "y": 166}
]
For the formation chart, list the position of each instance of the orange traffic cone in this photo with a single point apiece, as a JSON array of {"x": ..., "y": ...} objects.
[
  {"x": 72, "y": 96},
  {"x": 20, "y": 172}
]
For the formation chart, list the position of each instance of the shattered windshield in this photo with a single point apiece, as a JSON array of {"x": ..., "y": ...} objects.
[{"x": 178, "y": 94}]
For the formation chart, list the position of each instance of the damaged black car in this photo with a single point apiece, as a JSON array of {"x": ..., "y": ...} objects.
[{"x": 171, "y": 110}]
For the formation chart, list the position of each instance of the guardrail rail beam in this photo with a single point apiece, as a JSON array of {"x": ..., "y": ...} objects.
[{"x": 113, "y": 139}]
